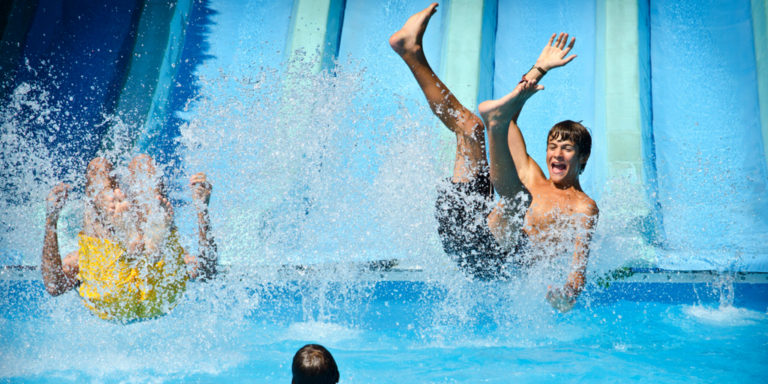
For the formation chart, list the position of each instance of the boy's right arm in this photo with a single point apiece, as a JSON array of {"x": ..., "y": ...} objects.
[
  {"x": 57, "y": 280},
  {"x": 526, "y": 167},
  {"x": 552, "y": 56}
]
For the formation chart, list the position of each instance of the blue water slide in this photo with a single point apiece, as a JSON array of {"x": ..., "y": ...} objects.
[
  {"x": 217, "y": 40},
  {"x": 63, "y": 67},
  {"x": 238, "y": 38},
  {"x": 713, "y": 184},
  {"x": 78, "y": 54}
]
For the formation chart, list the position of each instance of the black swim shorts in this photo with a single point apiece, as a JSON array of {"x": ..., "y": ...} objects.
[{"x": 461, "y": 211}]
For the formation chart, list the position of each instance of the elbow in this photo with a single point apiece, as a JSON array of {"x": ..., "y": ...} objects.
[
  {"x": 208, "y": 272},
  {"x": 54, "y": 289},
  {"x": 574, "y": 288}
]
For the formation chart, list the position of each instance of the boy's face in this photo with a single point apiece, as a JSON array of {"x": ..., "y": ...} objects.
[{"x": 563, "y": 160}]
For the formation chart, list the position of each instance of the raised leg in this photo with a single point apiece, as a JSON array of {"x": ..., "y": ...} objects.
[
  {"x": 504, "y": 137},
  {"x": 153, "y": 212},
  {"x": 101, "y": 203},
  {"x": 470, "y": 149},
  {"x": 498, "y": 115}
]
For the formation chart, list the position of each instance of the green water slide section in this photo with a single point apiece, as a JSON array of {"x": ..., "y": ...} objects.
[
  {"x": 468, "y": 40},
  {"x": 624, "y": 153},
  {"x": 467, "y": 59},
  {"x": 760, "y": 26},
  {"x": 313, "y": 39},
  {"x": 159, "y": 41},
  {"x": 315, "y": 30},
  {"x": 623, "y": 94},
  {"x": 624, "y": 84}
]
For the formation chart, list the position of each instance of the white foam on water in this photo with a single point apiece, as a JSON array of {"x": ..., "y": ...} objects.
[
  {"x": 725, "y": 315},
  {"x": 330, "y": 333}
]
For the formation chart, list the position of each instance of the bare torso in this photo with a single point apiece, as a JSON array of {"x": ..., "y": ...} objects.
[
  {"x": 552, "y": 217},
  {"x": 552, "y": 207}
]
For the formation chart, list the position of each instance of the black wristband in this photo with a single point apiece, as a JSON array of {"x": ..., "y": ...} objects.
[{"x": 543, "y": 72}]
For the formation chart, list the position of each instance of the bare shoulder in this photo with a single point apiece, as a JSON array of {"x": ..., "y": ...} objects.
[
  {"x": 586, "y": 206},
  {"x": 537, "y": 181}
]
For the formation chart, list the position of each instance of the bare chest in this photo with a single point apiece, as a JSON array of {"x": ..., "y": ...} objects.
[{"x": 550, "y": 212}]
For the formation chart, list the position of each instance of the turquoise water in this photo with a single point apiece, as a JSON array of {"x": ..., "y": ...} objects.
[{"x": 394, "y": 332}]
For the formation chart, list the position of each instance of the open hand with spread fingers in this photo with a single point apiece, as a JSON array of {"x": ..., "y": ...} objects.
[{"x": 554, "y": 53}]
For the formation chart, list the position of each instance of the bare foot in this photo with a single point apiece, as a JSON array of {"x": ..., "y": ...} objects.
[
  {"x": 499, "y": 112},
  {"x": 118, "y": 208},
  {"x": 118, "y": 204},
  {"x": 193, "y": 266},
  {"x": 167, "y": 208},
  {"x": 408, "y": 39}
]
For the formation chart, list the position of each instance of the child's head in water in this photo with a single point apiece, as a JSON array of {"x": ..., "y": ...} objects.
[{"x": 313, "y": 364}]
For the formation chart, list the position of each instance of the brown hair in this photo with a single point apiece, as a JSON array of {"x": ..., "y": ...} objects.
[
  {"x": 575, "y": 132},
  {"x": 313, "y": 364}
]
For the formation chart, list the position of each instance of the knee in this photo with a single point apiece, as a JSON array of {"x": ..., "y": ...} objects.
[
  {"x": 472, "y": 127},
  {"x": 99, "y": 165}
]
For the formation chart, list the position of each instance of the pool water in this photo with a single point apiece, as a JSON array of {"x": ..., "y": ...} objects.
[{"x": 394, "y": 332}]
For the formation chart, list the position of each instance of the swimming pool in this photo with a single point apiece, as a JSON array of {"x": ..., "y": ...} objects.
[
  {"x": 388, "y": 329},
  {"x": 332, "y": 163}
]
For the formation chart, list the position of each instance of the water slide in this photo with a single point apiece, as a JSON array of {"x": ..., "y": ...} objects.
[
  {"x": 675, "y": 96},
  {"x": 707, "y": 127}
]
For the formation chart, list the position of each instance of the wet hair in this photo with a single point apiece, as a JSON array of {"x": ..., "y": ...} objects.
[
  {"x": 575, "y": 132},
  {"x": 313, "y": 364}
]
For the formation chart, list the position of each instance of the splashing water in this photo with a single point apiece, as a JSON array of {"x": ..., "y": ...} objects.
[
  {"x": 28, "y": 168},
  {"x": 307, "y": 175},
  {"x": 307, "y": 186},
  {"x": 304, "y": 174}
]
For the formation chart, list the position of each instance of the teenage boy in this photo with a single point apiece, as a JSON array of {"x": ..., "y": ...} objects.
[{"x": 533, "y": 209}]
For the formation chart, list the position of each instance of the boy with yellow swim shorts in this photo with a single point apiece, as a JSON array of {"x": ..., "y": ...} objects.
[{"x": 129, "y": 264}]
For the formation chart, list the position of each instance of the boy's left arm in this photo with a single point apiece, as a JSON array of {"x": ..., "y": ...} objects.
[
  {"x": 205, "y": 266},
  {"x": 563, "y": 299}
]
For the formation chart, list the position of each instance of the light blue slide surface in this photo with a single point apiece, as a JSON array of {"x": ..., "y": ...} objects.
[
  {"x": 706, "y": 123},
  {"x": 364, "y": 41},
  {"x": 243, "y": 37}
]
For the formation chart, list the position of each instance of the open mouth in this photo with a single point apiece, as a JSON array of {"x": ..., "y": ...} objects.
[{"x": 559, "y": 167}]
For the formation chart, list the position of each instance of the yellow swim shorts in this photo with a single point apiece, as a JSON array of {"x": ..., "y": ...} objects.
[{"x": 115, "y": 288}]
